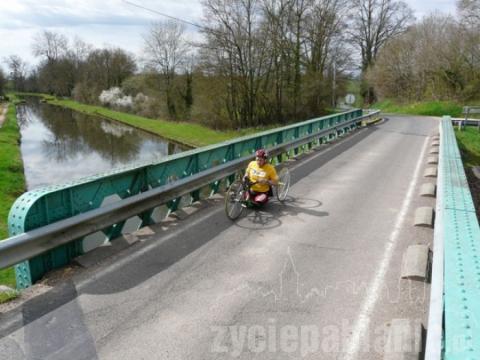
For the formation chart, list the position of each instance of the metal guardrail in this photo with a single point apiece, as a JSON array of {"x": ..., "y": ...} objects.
[
  {"x": 457, "y": 229},
  {"x": 48, "y": 225}
]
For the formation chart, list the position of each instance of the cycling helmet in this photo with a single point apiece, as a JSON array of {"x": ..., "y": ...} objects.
[{"x": 261, "y": 153}]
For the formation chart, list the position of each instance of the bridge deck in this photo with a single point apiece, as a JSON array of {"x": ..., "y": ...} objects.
[{"x": 318, "y": 276}]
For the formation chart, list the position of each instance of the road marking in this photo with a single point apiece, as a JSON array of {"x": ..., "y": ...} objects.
[{"x": 363, "y": 321}]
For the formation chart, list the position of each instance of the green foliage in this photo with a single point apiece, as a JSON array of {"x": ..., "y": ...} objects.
[
  {"x": 8, "y": 295},
  {"x": 12, "y": 182},
  {"x": 469, "y": 143},
  {"x": 427, "y": 108}
]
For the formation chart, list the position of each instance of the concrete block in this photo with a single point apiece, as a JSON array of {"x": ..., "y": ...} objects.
[
  {"x": 404, "y": 340},
  {"x": 101, "y": 253},
  {"x": 424, "y": 216},
  {"x": 415, "y": 262},
  {"x": 430, "y": 172},
  {"x": 436, "y": 138},
  {"x": 432, "y": 160},
  {"x": 434, "y": 150},
  {"x": 428, "y": 189},
  {"x": 476, "y": 171},
  {"x": 435, "y": 143}
]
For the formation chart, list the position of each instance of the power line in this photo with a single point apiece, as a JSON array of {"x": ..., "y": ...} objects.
[{"x": 167, "y": 15}]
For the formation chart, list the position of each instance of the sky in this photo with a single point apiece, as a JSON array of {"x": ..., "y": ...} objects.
[{"x": 115, "y": 23}]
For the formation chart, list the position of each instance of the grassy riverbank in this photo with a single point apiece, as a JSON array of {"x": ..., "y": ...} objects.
[
  {"x": 12, "y": 181},
  {"x": 469, "y": 143},
  {"x": 425, "y": 108},
  {"x": 193, "y": 135}
]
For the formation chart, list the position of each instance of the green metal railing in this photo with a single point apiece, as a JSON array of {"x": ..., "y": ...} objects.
[
  {"x": 48, "y": 205},
  {"x": 461, "y": 236}
]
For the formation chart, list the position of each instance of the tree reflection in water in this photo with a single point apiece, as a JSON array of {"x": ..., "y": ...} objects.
[{"x": 60, "y": 144}]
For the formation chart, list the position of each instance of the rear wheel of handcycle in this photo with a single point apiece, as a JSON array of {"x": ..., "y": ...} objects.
[
  {"x": 233, "y": 200},
  {"x": 283, "y": 184}
]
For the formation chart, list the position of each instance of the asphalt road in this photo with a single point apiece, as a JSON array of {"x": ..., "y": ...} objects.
[{"x": 317, "y": 277}]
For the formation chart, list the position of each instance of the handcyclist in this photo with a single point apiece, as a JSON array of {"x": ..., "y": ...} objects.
[{"x": 262, "y": 175}]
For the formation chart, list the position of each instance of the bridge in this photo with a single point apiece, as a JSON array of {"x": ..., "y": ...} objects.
[{"x": 323, "y": 276}]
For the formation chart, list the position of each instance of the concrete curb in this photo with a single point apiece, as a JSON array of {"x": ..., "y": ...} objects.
[
  {"x": 432, "y": 160},
  {"x": 372, "y": 122},
  {"x": 424, "y": 216},
  {"x": 430, "y": 172},
  {"x": 428, "y": 189},
  {"x": 404, "y": 341},
  {"x": 476, "y": 171},
  {"x": 415, "y": 262}
]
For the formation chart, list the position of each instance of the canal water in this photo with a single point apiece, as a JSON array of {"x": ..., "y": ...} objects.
[{"x": 60, "y": 145}]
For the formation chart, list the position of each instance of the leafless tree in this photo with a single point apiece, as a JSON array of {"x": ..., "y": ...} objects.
[
  {"x": 374, "y": 23},
  {"x": 238, "y": 53},
  {"x": 3, "y": 82},
  {"x": 469, "y": 11},
  {"x": 166, "y": 50},
  {"x": 49, "y": 45},
  {"x": 17, "y": 71}
]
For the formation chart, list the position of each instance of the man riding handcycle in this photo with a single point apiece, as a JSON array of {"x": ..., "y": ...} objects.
[{"x": 257, "y": 185}]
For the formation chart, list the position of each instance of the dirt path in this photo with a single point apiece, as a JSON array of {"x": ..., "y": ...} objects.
[{"x": 3, "y": 113}]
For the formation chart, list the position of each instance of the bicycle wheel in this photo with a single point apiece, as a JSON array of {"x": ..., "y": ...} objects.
[
  {"x": 283, "y": 184},
  {"x": 233, "y": 200}
]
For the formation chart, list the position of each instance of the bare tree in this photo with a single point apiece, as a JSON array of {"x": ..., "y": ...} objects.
[
  {"x": 3, "y": 82},
  {"x": 49, "y": 45},
  {"x": 240, "y": 54},
  {"x": 17, "y": 72},
  {"x": 166, "y": 50},
  {"x": 374, "y": 23},
  {"x": 469, "y": 11}
]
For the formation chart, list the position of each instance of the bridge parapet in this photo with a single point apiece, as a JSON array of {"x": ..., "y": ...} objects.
[{"x": 454, "y": 319}]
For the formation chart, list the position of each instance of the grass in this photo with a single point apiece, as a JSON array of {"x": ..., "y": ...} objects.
[
  {"x": 8, "y": 295},
  {"x": 193, "y": 135},
  {"x": 469, "y": 143},
  {"x": 12, "y": 181},
  {"x": 427, "y": 108}
]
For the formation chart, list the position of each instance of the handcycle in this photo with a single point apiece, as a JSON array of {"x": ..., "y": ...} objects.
[{"x": 237, "y": 197}]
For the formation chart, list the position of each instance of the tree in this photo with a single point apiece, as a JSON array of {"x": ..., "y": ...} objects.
[
  {"x": 432, "y": 60},
  {"x": 374, "y": 23},
  {"x": 102, "y": 70},
  {"x": 18, "y": 69},
  {"x": 166, "y": 50},
  {"x": 3, "y": 82},
  {"x": 469, "y": 11},
  {"x": 237, "y": 50},
  {"x": 49, "y": 45}
]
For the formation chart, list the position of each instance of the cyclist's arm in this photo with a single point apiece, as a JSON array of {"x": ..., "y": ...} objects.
[
  {"x": 273, "y": 177},
  {"x": 247, "y": 173}
]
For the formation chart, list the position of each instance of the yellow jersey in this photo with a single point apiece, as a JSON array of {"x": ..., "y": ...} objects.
[{"x": 256, "y": 173}]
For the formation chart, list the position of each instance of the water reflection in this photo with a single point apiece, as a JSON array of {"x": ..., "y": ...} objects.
[{"x": 59, "y": 144}]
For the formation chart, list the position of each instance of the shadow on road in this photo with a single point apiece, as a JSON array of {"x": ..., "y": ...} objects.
[{"x": 269, "y": 217}]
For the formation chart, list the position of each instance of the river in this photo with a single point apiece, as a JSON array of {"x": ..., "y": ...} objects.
[{"x": 60, "y": 145}]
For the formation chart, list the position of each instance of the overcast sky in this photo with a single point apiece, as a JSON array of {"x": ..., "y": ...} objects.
[{"x": 111, "y": 22}]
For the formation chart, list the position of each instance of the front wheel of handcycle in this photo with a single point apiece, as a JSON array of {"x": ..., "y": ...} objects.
[
  {"x": 283, "y": 184},
  {"x": 234, "y": 200}
]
